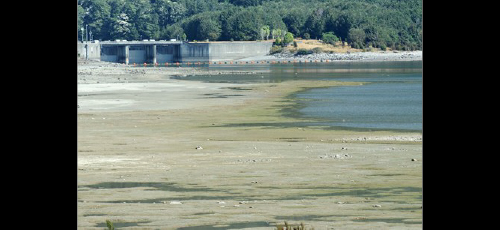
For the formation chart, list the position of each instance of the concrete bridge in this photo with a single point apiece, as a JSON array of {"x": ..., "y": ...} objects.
[{"x": 139, "y": 52}]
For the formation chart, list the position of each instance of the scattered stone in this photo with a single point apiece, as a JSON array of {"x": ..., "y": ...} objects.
[
  {"x": 175, "y": 202},
  {"x": 377, "y": 206},
  {"x": 336, "y": 156}
]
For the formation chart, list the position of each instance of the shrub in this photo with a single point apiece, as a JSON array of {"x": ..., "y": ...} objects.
[
  {"x": 317, "y": 50},
  {"x": 304, "y": 52},
  {"x": 383, "y": 47},
  {"x": 307, "y": 36},
  {"x": 276, "y": 49},
  {"x": 329, "y": 38},
  {"x": 109, "y": 224},
  {"x": 288, "y": 38}
]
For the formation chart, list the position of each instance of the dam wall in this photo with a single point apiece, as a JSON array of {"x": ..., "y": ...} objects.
[
  {"x": 232, "y": 51},
  {"x": 89, "y": 50},
  {"x": 140, "y": 52},
  {"x": 223, "y": 51},
  {"x": 195, "y": 52}
]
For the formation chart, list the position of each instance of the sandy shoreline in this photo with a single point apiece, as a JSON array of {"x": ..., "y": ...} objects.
[{"x": 160, "y": 153}]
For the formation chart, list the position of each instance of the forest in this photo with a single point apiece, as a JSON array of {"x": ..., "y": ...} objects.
[{"x": 377, "y": 23}]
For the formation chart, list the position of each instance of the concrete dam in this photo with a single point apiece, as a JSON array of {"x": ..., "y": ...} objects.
[{"x": 140, "y": 52}]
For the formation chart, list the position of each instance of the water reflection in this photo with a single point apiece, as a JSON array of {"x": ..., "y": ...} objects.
[{"x": 392, "y": 99}]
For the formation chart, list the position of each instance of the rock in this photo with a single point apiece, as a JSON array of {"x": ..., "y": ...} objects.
[
  {"x": 377, "y": 206},
  {"x": 199, "y": 147},
  {"x": 175, "y": 202},
  {"x": 413, "y": 159}
]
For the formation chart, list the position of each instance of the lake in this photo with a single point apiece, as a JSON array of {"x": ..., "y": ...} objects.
[{"x": 390, "y": 98}]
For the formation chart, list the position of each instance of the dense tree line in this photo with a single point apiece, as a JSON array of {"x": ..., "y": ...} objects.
[{"x": 378, "y": 23}]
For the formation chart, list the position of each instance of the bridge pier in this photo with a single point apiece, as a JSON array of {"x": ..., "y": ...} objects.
[
  {"x": 151, "y": 53},
  {"x": 154, "y": 54},
  {"x": 127, "y": 53}
]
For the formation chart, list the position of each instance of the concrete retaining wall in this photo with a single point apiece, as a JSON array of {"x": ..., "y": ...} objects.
[
  {"x": 92, "y": 50},
  {"x": 195, "y": 52},
  {"x": 223, "y": 51},
  {"x": 231, "y": 51}
]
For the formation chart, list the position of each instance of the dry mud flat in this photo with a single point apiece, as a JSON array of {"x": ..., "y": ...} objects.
[{"x": 221, "y": 156}]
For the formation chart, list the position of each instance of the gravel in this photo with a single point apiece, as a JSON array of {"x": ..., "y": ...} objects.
[{"x": 357, "y": 56}]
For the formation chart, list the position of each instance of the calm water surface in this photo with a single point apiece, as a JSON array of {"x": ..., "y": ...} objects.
[{"x": 390, "y": 99}]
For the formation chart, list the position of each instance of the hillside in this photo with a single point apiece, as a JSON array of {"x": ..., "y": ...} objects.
[{"x": 392, "y": 24}]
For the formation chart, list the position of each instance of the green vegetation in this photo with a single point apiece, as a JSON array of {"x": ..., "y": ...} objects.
[
  {"x": 304, "y": 52},
  {"x": 276, "y": 49},
  {"x": 287, "y": 226},
  {"x": 329, "y": 38},
  {"x": 362, "y": 23},
  {"x": 109, "y": 224}
]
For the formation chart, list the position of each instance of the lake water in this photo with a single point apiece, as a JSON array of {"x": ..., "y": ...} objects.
[{"x": 389, "y": 99}]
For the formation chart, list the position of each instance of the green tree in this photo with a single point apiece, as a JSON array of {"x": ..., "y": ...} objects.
[
  {"x": 121, "y": 27},
  {"x": 146, "y": 20},
  {"x": 307, "y": 36},
  {"x": 169, "y": 12},
  {"x": 356, "y": 37},
  {"x": 294, "y": 20},
  {"x": 390, "y": 23},
  {"x": 206, "y": 27},
  {"x": 276, "y": 33},
  {"x": 278, "y": 41},
  {"x": 226, "y": 25},
  {"x": 79, "y": 21},
  {"x": 288, "y": 38},
  {"x": 174, "y": 31},
  {"x": 264, "y": 32},
  {"x": 244, "y": 25},
  {"x": 97, "y": 18},
  {"x": 272, "y": 18},
  {"x": 315, "y": 23},
  {"x": 329, "y": 38},
  {"x": 246, "y": 2}
]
